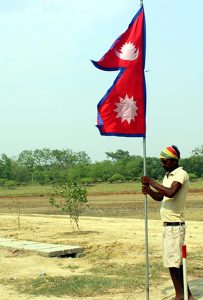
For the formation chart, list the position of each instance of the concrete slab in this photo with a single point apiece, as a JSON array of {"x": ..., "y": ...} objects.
[
  {"x": 61, "y": 251},
  {"x": 44, "y": 249}
]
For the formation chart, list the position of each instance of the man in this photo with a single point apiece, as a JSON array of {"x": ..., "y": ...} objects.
[{"x": 172, "y": 192}]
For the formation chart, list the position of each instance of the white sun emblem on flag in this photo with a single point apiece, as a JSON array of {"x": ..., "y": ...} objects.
[
  {"x": 126, "y": 109},
  {"x": 127, "y": 52}
]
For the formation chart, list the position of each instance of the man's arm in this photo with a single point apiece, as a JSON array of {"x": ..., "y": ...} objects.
[
  {"x": 164, "y": 191},
  {"x": 154, "y": 194}
]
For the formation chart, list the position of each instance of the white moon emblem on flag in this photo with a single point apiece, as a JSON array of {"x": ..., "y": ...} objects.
[
  {"x": 126, "y": 109},
  {"x": 127, "y": 52}
]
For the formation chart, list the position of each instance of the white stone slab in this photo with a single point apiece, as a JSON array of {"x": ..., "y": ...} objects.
[{"x": 45, "y": 249}]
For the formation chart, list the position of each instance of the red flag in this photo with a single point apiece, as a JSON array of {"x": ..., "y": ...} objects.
[{"x": 121, "y": 112}]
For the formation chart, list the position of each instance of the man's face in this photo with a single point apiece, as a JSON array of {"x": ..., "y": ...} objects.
[{"x": 168, "y": 164}]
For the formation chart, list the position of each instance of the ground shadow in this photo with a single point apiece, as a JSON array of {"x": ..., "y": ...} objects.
[
  {"x": 82, "y": 232},
  {"x": 196, "y": 287},
  {"x": 168, "y": 292}
]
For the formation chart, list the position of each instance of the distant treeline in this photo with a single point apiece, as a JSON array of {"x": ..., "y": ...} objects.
[{"x": 46, "y": 166}]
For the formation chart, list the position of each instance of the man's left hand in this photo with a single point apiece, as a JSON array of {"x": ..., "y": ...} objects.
[{"x": 145, "y": 180}]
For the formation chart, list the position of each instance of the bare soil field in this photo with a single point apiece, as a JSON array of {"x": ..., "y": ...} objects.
[
  {"x": 108, "y": 241},
  {"x": 113, "y": 235},
  {"x": 123, "y": 204}
]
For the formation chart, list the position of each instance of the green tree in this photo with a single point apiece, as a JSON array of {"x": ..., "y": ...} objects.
[
  {"x": 20, "y": 173},
  {"x": 134, "y": 168},
  {"x": 101, "y": 171},
  {"x": 198, "y": 151},
  {"x": 116, "y": 178},
  {"x": 42, "y": 157},
  {"x": 26, "y": 159},
  {"x": 194, "y": 164},
  {"x": 6, "y": 167},
  {"x": 69, "y": 197},
  {"x": 82, "y": 158},
  {"x": 154, "y": 168},
  {"x": 118, "y": 155},
  {"x": 63, "y": 158}
]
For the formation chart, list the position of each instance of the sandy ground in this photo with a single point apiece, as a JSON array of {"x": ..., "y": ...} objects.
[{"x": 116, "y": 239}]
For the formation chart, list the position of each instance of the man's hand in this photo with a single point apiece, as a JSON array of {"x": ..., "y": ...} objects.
[
  {"x": 146, "y": 189},
  {"x": 145, "y": 184},
  {"x": 145, "y": 180},
  {"x": 155, "y": 194}
]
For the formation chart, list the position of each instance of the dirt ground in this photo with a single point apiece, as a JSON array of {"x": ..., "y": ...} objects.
[{"x": 118, "y": 239}]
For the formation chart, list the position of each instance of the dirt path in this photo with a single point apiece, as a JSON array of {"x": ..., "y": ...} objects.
[{"x": 115, "y": 239}]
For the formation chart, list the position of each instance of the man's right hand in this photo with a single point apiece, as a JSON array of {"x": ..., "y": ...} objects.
[{"x": 146, "y": 189}]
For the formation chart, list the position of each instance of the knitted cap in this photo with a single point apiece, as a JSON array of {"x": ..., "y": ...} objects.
[{"x": 171, "y": 152}]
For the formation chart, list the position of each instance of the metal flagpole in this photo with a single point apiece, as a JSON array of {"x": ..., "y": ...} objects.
[
  {"x": 146, "y": 222},
  {"x": 145, "y": 215}
]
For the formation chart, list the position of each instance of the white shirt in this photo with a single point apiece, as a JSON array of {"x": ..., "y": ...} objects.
[{"x": 172, "y": 208}]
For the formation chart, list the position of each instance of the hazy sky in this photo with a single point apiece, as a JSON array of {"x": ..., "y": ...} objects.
[{"x": 49, "y": 89}]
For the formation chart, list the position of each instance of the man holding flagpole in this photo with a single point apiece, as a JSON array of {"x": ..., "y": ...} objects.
[{"x": 172, "y": 192}]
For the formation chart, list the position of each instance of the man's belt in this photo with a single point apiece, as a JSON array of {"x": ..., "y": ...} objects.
[{"x": 174, "y": 223}]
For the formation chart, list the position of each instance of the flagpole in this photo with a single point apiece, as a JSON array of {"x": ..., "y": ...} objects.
[
  {"x": 146, "y": 222},
  {"x": 146, "y": 213}
]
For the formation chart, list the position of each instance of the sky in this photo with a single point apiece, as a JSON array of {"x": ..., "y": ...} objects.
[{"x": 49, "y": 89}]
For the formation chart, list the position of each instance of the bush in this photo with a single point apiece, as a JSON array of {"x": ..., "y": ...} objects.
[
  {"x": 10, "y": 183},
  {"x": 192, "y": 176},
  {"x": 87, "y": 181},
  {"x": 69, "y": 197},
  {"x": 116, "y": 178},
  {"x": 2, "y": 181}
]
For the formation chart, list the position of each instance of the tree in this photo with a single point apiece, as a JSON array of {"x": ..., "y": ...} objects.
[
  {"x": 198, "y": 151},
  {"x": 101, "y": 171},
  {"x": 20, "y": 173},
  {"x": 5, "y": 167},
  {"x": 116, "y": 178},
  {"x": 46, "y": 166},
  {"x": 63, "y": 158},
  {"x": 42, "y": 157},
  {"x": 69, "y": 197},
  {"x": 154, "y": 168},
  {"x": 83, "y": 158},
  {"x": 194, "y": 164},
  {"x": 26, "y": 159},
  {"x": 118, "y": 155},
  {"x": 134, "y": 168}
]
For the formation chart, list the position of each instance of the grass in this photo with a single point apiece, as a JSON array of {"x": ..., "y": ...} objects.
[
  {"x": 195, "y": 264},
  {"x": 100, "y": 188},
  {"x": 84, "y": 285},
  {"x": 104, "y": 200},
  {"x": 130, "y": 272},
  {"x": 28, "y": 190},
  {"x": 105, "y": 278},
  {"x": 105, "y": 275},
  {"x": 72, "y": 267},
  {"x": 102, "y": 279},
  {"x": 196, "y": 184}
]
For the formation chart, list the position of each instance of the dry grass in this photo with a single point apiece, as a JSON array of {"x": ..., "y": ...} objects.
[
  {"x": 106, "y": 275},
  {"x": 108, "y": 205}
]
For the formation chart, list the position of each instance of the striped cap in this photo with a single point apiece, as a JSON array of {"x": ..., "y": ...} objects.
[{"x": 170, "y": 153}]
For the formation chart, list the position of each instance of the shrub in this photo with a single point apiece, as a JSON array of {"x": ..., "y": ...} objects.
[
  {"x": 116, "y": 178},
  {"x": 69, "y": 197},
  {"x": 192, "y": 176},
  {"x": 87, "y": 181},
  {"x": 10, "y": 183}
]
